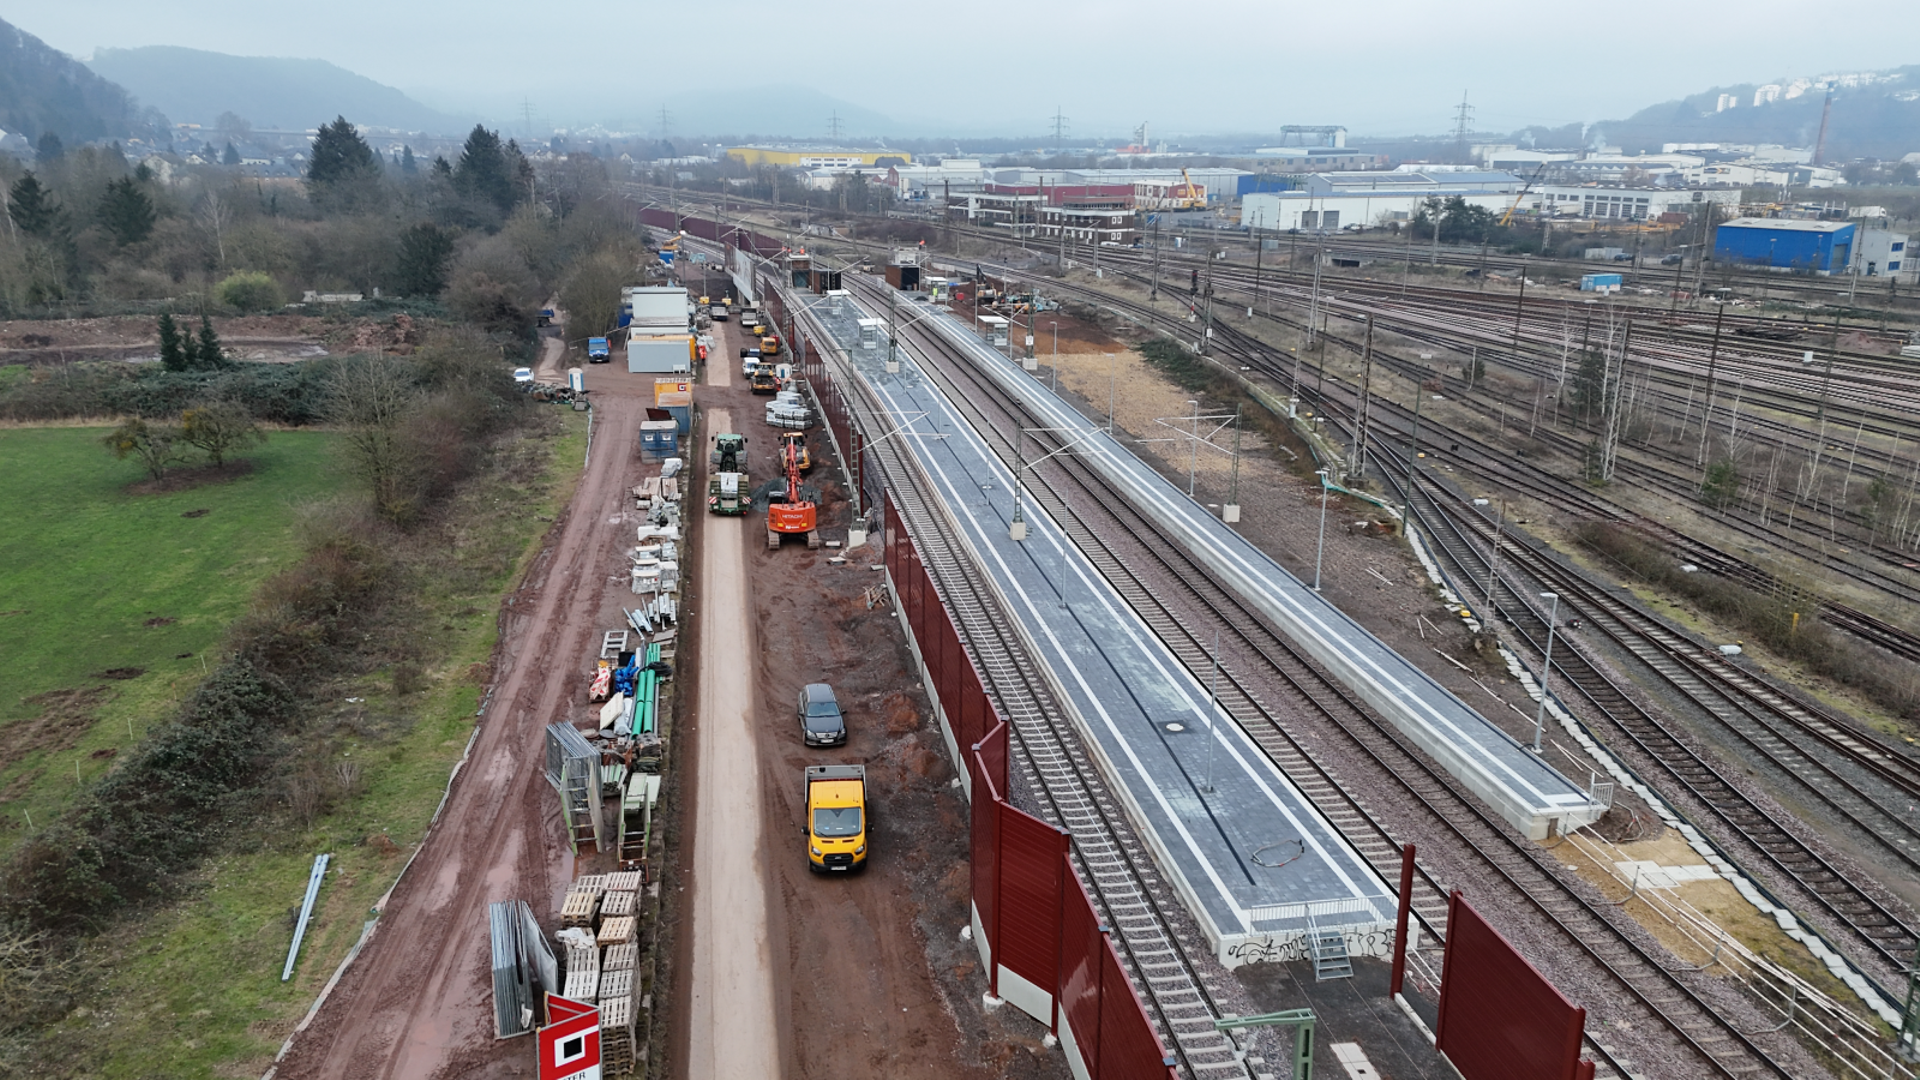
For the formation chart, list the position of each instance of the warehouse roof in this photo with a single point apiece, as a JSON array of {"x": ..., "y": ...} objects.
[{"x": 1786, "y": 224}]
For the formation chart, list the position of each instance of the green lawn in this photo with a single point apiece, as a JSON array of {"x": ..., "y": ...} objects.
[
  {"x": 193, "y": 989},
  {"x": 96, "y": 579}
]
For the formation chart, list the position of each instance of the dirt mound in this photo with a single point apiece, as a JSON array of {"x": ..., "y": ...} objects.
[
  {"x": 160, "y": 620},
  {"x": 121, "y": 674}
]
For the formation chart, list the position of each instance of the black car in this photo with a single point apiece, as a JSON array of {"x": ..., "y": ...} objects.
[{"x": 821, "y": 722}]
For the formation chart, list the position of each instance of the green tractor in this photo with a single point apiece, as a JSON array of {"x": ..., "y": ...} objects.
[{"x": 728, "y": 491}]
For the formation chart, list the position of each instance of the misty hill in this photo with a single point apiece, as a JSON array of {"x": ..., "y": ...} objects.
[
  {"x": 275, "y": 93},
  {"x": 1877, "y": 117},
  {"x": 43, "y": 89},
  {"x": 799, "y": 113}
]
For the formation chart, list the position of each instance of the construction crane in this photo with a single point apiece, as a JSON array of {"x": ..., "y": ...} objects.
[
  {"x": 1524, "y": 188},
  {"x": 788, "y": 513},
  {"x": 1193, "y": 201}
]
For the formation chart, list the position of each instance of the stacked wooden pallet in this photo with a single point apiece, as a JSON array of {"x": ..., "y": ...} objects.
[{"x": 606, "y": 973}]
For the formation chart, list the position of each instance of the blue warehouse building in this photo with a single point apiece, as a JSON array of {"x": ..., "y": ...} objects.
[{"x": 1816, "y": 247}]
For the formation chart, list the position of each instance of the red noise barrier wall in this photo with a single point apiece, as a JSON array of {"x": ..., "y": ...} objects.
[
  {"x": 1039, "y": 932},
  {"x": 1500, "y": 1019}
]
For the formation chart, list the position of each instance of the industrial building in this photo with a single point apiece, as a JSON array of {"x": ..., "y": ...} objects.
[
  {"x": 1342, "y": 200},
  {"x": 814, "y": 157},
  {"x": 1089, "y": 213},
  {"x": 1882, "y": 253},
  {"x": 1630, "y": 204},
  {"x": 1815, "y": 247}
]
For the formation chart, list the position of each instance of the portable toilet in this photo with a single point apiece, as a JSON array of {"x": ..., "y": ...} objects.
[
  {"x": 576, "y": 380},
  {"x": 660, "y": 438}
]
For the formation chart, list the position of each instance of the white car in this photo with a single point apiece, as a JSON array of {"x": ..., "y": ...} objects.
[{"x": 523, "y": 374}]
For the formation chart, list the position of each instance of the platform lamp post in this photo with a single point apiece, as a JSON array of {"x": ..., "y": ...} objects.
[
  {"x": 1546, "y": 670},
  {"x": 1056, "y": 355},
  {"x": 1193, "y": 448},
  {"x": 1017, "y": 529},
  {"x": 1320, "y": 549},
  {"x": 1110, "y": 393}
]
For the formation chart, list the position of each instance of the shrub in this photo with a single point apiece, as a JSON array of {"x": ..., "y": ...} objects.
[{"x": 249, "y": 290}]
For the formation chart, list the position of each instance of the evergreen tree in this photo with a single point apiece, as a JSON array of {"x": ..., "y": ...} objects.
[
  {"x": 209, "y": 354},
  {"x": 484, "y": 171},
  {"x": 33, "y": 210},
  {"x": 174, "y": 354},
  {"x": 425, "y": 251},
  {"x": 49, "y": 147},
  {"x": 441, "y": 167},
  {"x": 230, "y": 156},
  {"x": 126, "y": 212},
  {"x": 341, "y": 160},
  {"x": 407, "y": 164},
  {"x": 1590, "y": 386}
]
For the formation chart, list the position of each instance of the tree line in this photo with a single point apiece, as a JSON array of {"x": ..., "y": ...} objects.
[{"x": 487, "y": 236}]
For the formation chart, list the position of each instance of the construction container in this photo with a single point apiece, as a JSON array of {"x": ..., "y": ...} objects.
[
  {"x": 672, "y": 392},
  {"x": 660, "y": 438},
  {"x": 1601, "y": 283},
  {"x": 904, "y": 278}
]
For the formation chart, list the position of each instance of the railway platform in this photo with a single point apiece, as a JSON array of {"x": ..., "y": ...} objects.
[
  {"x": 1529, "y": 793},
  {"x": 1247, "y": 853}
]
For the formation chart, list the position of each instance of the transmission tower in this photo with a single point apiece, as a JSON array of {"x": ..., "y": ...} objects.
[
  {"x": 1463, "y": 123},
  {"x": 666, "y": 123},
  {"x": 1059, "y": 129},
  {"x": 833, "y": 127}
]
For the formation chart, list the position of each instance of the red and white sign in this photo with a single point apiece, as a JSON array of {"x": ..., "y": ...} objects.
[{"x": 570, "y": 1043}]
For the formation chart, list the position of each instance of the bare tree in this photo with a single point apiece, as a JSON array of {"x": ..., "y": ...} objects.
[
  {"x": 216, "y": 214},
  {"x": 155, "y": 445},
  {"x": 371, "y": 399},
  {"x": 219, "y": 428}
]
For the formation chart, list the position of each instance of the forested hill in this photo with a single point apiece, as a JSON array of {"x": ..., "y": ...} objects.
[
  {"x": 195, "y": 86},
  {"x": 44, "y": 90}
]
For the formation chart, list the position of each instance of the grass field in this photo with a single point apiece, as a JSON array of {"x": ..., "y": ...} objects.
[
  {"x": 193, "y": 989},
  {"x": 98, "y": 581}
]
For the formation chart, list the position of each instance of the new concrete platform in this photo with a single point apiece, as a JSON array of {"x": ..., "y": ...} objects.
[
  {"x": 1250, "y": 856},
  {"x": 1532, "y": 795}
]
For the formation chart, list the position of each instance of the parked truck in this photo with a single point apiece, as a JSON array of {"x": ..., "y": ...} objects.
[
  {"x": 598, "y": 351},
  {"x": 836, "y": 827},
  {"x": 728, "y": 491}
]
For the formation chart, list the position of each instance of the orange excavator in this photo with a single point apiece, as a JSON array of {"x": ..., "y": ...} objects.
[{"x": 788, "y": 512}]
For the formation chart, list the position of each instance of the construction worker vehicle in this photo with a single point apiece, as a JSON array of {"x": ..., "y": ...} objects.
[
  {"x": 789, "y": 511},
  {"x": 768, "y": 345},
  {"x": 836, "y": 826},
  {"x": 728, "y": 491},
  {"x": 763, "y": 380},
  {"x": 798, "y": 441}
]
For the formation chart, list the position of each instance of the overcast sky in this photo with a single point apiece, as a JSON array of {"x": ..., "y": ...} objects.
[{"x": 1377, "y": 66}]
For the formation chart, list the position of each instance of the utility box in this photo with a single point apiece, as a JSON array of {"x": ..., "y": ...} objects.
[
  {"x": 660, "y": 438},
  {"x": 1600, "y": 283}
]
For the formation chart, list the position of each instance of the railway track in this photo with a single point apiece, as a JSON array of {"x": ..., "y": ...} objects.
[
  {"x": 1855, "y": 780},
  {"x": 1523, "y": 873},
  {"x": 1521, "y": 475}
]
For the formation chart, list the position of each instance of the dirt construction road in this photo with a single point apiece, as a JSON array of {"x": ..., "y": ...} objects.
[
  {"x": 417, "y": 1003},
  {"x": 731, "y": 1012}
]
